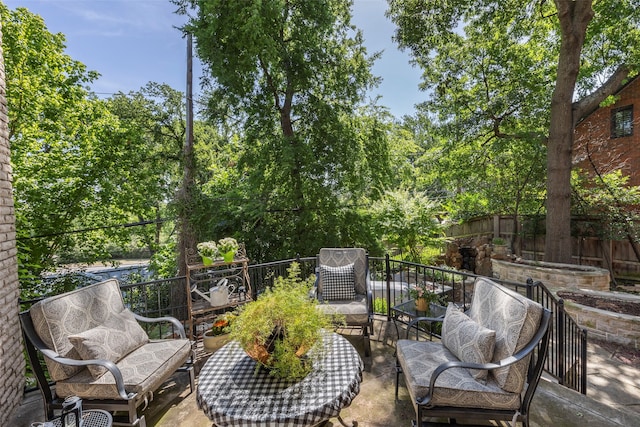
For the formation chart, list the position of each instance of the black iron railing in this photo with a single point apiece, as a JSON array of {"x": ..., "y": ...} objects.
[{"x": 390, "y": 282}]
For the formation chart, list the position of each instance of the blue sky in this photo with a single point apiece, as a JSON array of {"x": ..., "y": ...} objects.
[{"x": 132, "y": 42}]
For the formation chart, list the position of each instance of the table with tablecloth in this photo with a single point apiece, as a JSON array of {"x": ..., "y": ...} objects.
[{"x": 232, "y": 392}]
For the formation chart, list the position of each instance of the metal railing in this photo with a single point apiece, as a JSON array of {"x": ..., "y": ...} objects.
[{"x": 390, "y": 279}]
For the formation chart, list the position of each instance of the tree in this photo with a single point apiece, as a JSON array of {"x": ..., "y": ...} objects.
[
  {"x": 507, "y": 56},
  {"x": 294, "y": 75},
  {"x": 154, "y": 124},
  {"x": 408, "y": 222},
  {"x": 54, "y": 130},
  {"x": 84, "y": 169}
]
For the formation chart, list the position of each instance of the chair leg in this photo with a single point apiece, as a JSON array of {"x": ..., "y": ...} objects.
[
  {"x": 398, "y": 371},
  {"x": 367, "y": 346}
]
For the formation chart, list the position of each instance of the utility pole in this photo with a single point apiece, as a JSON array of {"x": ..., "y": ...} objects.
[{"x": 186, "y": 238}]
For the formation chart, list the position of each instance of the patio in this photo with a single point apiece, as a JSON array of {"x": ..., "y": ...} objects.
[{"x": 613, "y": 398}]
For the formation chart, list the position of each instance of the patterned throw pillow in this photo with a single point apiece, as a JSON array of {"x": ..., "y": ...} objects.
[
  {"x": 338, "y": 283},
  {"x": 119, "y": 336},
  {"x": 467, "y": 340}
]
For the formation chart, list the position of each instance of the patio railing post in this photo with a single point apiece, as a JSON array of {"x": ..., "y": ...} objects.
[
  {"x": 583, "y": 357},
  {"x": 560, "y": 343},
  {"x": 530, "y": 286},
  {"x": 387, "y": 273}
]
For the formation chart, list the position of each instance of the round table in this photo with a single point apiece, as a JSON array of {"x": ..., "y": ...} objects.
[{"x": 232, "y": 393}]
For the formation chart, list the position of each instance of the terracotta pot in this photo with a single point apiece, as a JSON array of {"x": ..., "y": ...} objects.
[
  {"x": 212, "y": 343},
  {"x": 422, "y": 304},
  {"x": 261, "y": 354}
]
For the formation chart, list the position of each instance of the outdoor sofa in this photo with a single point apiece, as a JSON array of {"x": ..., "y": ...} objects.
[{"x": 94, "y": 348}]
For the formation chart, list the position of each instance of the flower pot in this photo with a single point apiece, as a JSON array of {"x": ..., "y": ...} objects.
[
  {"x": 422, "y": 304},
  {"x": 207, "y": 260},
  {"x": 212, "y": 343},
  {"x": 500, "y": 252},
  {"x": 228, "y": 256}
]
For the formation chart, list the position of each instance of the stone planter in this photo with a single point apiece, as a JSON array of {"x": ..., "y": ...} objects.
[
  {"x": 500, "y": 252},
  {"x": 553, "y": 275},
  {"x": 212, "y": 343}
]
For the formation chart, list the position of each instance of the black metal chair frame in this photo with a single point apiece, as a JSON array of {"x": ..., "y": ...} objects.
[
  {"x": 537, "y": 347},
  {"x": 130, "y": 401}
]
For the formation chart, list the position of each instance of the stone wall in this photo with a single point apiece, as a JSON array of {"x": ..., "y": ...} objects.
[
  {"x": 554, "y": 276},
  {"x": 11, "y": 360},
  {"x": 469, "y": 254},
  {"x": 606, "y": 325}
]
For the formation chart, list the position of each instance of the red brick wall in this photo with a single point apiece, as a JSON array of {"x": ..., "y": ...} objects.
[
  {"x": 593, "y": 137},
  {"x": 11, "y": 359}
]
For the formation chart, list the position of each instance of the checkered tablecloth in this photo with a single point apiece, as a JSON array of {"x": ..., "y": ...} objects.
[{"x": 232, "y": 393}]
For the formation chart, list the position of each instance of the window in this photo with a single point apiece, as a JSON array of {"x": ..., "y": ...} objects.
[{"x": 622, "y": 121}]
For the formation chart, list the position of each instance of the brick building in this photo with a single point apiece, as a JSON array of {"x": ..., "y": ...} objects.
[
  {"x": 608, "y": 139},
  {"x": 12, "y": 364}
]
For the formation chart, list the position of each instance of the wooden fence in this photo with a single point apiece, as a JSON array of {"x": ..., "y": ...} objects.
[{"x": 526, "y": 239}]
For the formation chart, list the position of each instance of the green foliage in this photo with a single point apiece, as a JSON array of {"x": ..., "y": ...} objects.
[
  {"x": 285, "y": 320},
  {"x": 489, "y": 68},
  {"x": 408, "y": 221},
  {"x": 83, "y": 168},
  {"x": 610, "y": 199},
  {"x": 58, "y": 140},
  {"x": 380, "y": 305},
  {"x": 163, "y": 262},
  {"x": 287, "y": 84}
]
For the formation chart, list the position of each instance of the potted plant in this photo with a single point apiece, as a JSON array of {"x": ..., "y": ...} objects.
[
  {"x": 499, "y": 248},
  {"x": 279, "y": 329},
  {"x": 424, "y": 296},
  {"x": 208, "y": 251},
  {"x": 228, "y": 247},
  {"x": 218, "y": 335}
]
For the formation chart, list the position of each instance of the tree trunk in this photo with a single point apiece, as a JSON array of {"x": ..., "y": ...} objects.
[
  {"x": 574, "y": 18},
  {"x": 296, "y": 176}
]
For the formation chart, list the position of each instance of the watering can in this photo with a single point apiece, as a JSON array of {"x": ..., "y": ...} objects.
[{"x": 218, "y": 294}]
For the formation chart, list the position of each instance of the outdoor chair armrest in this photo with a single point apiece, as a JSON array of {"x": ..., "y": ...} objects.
[
  {"x": 107, "y": 364},
  {"x": 176, "y": 323},
  {"x": 313, "y": 292}
]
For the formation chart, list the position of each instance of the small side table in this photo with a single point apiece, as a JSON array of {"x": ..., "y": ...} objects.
[
  {"x": 90, "y": 418},
  {"x": 406, "y": 312}
]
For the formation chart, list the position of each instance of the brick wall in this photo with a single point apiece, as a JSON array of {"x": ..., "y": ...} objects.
[
  {"x": 593, "y": 135},
  {"x": 11, "y": 359}
]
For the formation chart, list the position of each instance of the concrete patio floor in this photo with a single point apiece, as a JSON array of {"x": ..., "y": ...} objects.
[{"x": 613, "y": 397}]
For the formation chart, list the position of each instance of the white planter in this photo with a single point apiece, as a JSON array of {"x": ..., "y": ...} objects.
[{"x": 213, "y": 343}]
